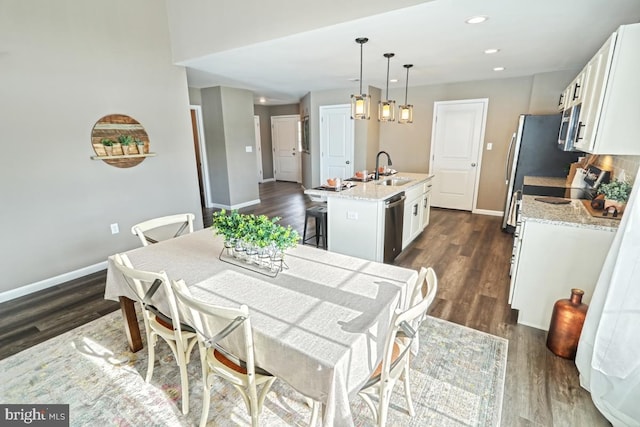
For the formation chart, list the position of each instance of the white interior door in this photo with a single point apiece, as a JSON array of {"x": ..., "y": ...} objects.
[
  {"x": 285, "y": 139},
  {"x": 458, "y": 132},
  {"x": 336, "y": 142},
  {"x": 256, "y": 126}
]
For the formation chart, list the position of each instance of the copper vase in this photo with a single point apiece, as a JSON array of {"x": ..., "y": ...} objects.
[{"x": 566, "y": 325}]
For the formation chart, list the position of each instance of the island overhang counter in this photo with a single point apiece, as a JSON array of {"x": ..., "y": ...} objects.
[{"x": 356, "y": 216}]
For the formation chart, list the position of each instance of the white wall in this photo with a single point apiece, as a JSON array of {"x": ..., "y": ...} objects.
[
  {"x": 64, "y": 65},
  {"x": 202, "y": 27}
]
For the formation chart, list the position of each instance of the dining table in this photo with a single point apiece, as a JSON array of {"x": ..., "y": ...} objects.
[{"x": 318, "y": 324}]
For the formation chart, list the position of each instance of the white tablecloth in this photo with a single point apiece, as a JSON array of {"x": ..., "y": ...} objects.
[{"x": 319, "y": 325}]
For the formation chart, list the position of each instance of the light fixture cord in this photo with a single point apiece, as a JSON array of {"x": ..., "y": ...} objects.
[
  {"x": 388, "y": 60},
  {"x": 361, "y": 68},
  {"x": 406, "y": 88}
]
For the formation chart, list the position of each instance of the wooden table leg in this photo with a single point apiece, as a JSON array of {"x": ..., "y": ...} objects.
[{"x": 131, "y": 327}]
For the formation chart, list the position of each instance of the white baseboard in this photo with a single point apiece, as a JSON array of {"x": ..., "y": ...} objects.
[
  {"x": 487, "y": 212},
  {"x": 238, "y": 206},
  {"x": 50, "y": 282},
  {"x": 269, "y": 180}
]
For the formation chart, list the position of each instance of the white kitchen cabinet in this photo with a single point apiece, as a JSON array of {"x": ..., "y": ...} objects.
[
  {"x": 563, "y": 101},
  {"x": 425, "y": 211},
  {"x": 575, "y": 90},
  {"x": 417, "y": 207},
  {"x": 411, "y": 218},
  {"x": 608, "y": 122},
  {"x": 550, "y": 260}
]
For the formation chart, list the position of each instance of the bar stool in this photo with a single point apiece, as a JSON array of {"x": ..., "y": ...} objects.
[{"x": 319, "y": 213}]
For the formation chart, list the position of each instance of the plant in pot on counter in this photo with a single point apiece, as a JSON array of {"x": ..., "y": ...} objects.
[{"x": 616, "y": 194}]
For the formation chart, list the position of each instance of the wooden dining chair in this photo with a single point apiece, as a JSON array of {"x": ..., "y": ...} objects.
[
  {"x": 150, "y": 288},
  {"x": 395, "y": 364},
  {"x": 213, "y": 323},
  {"x": 163, "y": 227}
]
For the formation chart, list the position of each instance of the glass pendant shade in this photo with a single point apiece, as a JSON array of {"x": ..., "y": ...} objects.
[
  {"x": 406, "y": 110},
  {"x": 406, "y": 114},
  {"x": 360, "y": 107},
  {"x": 387, "y": 109},
  {"x": 361, "y": 103}
]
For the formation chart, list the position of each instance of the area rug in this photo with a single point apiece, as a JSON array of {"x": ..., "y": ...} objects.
[{"x": 457, "y": 379}]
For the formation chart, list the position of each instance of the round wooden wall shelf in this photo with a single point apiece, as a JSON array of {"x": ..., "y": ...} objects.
[{"x": 114, "y": 127}]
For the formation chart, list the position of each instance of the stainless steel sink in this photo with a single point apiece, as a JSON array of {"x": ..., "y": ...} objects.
[{"x": 396, "y": 182}]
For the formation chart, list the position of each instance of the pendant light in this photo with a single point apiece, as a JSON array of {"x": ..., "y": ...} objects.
[
  {"x": 361, "y": 103},
  {"x": 387, "y": 109},
  {"x": 406, "y": 110}
]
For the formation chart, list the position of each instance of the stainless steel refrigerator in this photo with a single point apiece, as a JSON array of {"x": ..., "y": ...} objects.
[{"x": 533, "y": 152}]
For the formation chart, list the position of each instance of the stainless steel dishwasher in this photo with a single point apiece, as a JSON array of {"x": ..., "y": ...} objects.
[{"x": 393, "y": 218}]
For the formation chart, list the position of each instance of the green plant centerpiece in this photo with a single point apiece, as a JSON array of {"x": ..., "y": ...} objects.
[
  {"x": 256, "y": 239},
  {"x": 616, "y": 194}
]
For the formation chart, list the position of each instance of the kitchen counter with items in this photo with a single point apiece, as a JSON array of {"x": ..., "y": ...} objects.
[
  {"x": 371, "y": 190},
  {"x": 556, "y": 247},
  {"x": 572, "y": 214},
  {"x": 376, "y": 219}
]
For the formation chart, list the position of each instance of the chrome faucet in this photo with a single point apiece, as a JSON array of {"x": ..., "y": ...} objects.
[{"x": 377, "y": 175}]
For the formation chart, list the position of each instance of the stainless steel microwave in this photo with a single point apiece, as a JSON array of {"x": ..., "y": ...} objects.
[{"x": 569, "y": 128}]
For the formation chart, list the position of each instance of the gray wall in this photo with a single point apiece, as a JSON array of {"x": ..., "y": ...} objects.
[
  {"x": 409, "y": 145},
  {"x": 228, "y": 128},
  {"x": 216, "y": 148},
  {"x": 64, "y": 66},
  {"x": 262, "y": 111}
]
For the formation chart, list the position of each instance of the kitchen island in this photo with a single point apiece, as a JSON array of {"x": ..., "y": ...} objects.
[
  {"x": 556, "y": 248},
  {"x": 356, "y": 216}
]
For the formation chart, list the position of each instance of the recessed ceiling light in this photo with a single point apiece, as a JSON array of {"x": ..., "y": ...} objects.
[
  {"x": 262, "y": 100},
  {"x": 490, "y": 51},
  {"x": 498, "y": 69},
  {"x": 476, "y": 19},
  {"x": 394, "y": 80}
]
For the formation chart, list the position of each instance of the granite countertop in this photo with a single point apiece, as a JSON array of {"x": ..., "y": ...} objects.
[
  {"x": 573, "y": 214},
  {"x": 372, "y": 191}
]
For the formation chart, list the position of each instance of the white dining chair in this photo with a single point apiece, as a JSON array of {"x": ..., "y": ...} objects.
[
  {"x": 405, "y": 325},
  {"x": 213, "y": 323},
  {"x": 164, "y": 227},
  {"x": 181, "y": 338}
]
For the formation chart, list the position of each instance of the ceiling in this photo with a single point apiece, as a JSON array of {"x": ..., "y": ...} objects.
[{"x": 533, "y": 37}]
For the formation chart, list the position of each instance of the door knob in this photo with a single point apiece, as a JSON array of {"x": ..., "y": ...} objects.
[
  {"x": 473, "y": 165},
  {"x": 347, "y": 162},
  {"x": 293, "y": 154}
]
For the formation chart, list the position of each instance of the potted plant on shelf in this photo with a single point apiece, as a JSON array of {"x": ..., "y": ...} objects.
[
  {"x": 125, "y": 141},
  {"x": 108, "y": 146},
  {"x": 139, "y": 145},
  {"x": 616, "y": 194}
]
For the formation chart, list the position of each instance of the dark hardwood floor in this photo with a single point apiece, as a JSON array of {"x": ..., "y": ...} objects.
[{"x": 468, "y": 252}]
